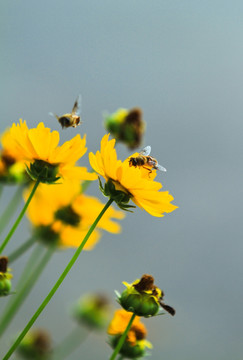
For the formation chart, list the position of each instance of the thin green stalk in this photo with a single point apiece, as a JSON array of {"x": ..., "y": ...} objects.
[
  {"x": 73, "y": 340},
  {"x": 58, "y": 283},
  {"x": 14, "y": 227},
  {"x": 10, "y": 209},
  {"x": 1, "y": 188},
  {"x": 122, "y": 339},
  {"x": 21, "y": 249},
  {"x": 24, "y": 290}
]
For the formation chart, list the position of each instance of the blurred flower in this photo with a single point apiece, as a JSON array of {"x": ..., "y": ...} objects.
[
  {"x": 126, "y": 126},
  {"x": 92, "y": 310},
  {"x": 46, "y": 160},
  {"x": 143, "y": 298},
  {"x": 61, "y": 213},
  {"x": 135, "y": 343},
  {"x": 36, "y": 345},
  {"x": 124, "y": 182},
  {"x": 12, "y": 167},
  {"x": 5, "y": 276}
]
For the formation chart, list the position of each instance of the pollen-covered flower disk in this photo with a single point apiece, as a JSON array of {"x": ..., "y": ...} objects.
[
  {"x": 45, "y": 160},
  {"x": 125, "y": 182},
  {"x": 135, "y": 343}
]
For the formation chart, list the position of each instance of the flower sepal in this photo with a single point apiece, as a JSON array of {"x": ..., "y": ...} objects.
[
  {"x": 43, "y": 171},
  {"x": 120, "y": 197}
]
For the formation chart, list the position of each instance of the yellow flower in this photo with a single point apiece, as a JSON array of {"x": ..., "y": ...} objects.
[
  {"x": 12, "y": 166},
  {"x": 70, "y": 214},
  {"x": 135, "y": 183},
  {"x": 135, "y": 343},
  {"x": 39, "y": 148}
]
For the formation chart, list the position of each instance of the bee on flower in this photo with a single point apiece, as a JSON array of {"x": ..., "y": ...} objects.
[
  {"x": 125, "y": 182},
  {"x": 143, "y": 298}
]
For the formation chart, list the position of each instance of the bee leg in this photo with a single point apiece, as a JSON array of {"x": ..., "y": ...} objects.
[{"x": 149, "y": 170}]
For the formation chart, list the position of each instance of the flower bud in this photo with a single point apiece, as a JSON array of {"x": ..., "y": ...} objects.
[
  {"x": 143, "y": 298},
  {"x": 36, "y": 345},
  {"x": 92, "y": 310},
  {"x": 126, "y": 126},
  {"x": 5, "y": 276}
]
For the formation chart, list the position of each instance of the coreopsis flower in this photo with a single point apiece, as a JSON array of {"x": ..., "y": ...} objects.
[
  {"x": 36, "y": 345},
  {"x": 61, "y": 213},
  {"x": 143, "y": 298},
  {"x": 135, "y": 344},
  {"x": 45, "y": 160},
  {"x": 92, "y": 310},
  {"x": 125, "y": 182},
  {"x": 5, "y": 276},
  {"x": 12, "y": 166},
  {"x": 126, "y": 126}
]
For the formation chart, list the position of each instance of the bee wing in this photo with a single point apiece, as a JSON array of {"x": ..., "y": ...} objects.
[
  {"x": 77, "y": 106},
  {"x": 159, "y": 167},
  {"x": 54, "y": 115},
  {"x": 146, "y": 151}
]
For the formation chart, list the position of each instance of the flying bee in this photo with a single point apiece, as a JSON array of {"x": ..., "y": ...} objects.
[
  {"x": 146, "y": 161},
  {"x": 73, "y": 119}
]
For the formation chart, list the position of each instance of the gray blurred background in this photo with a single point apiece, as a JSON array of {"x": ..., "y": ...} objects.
[{"x": 182, "y": 63}]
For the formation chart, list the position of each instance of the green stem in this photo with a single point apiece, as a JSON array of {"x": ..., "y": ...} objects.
[
  {"x": 10, "y": 209},
  {"x": 73, "y": 340},
  {"x": 1, "y": 188},
  {"x": 58, "y": 283},
  {"x": 122, "y": 338},
  {"x": 24, "y": 290},
  {"x": 15, "y": 225},
  {"x": 21, "y": 249}
]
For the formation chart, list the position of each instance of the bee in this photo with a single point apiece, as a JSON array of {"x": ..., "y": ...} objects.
[
  {"x": 146, "y": 161},
  {"x": 73, "y": 119},
  {"x": 167, "y": 308}
]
